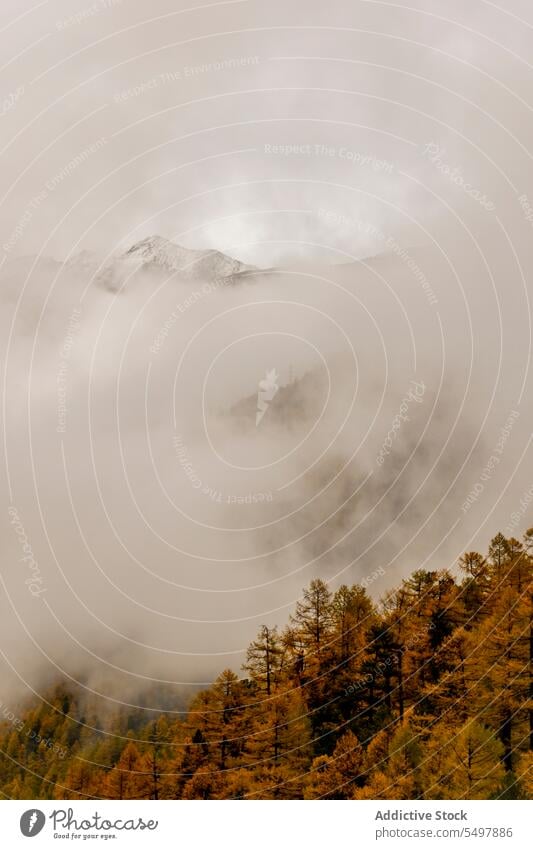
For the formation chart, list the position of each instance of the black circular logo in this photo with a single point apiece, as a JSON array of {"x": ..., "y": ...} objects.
[{"x": 32, "y": 822}]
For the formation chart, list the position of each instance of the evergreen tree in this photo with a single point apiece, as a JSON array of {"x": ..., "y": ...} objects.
[{"x": 462, "y": 763}]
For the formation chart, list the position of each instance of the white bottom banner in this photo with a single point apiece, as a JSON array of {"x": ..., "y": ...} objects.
[{"x": 256, "y": 825}]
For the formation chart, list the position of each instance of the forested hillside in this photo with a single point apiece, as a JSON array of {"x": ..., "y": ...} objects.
[{"x": 426, "y": 694}]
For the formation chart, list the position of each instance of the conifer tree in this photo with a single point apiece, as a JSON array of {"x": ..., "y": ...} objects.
[
  {"x": 462, "y": 763},
  {"x": 335, "y": 776},
  {"x": 125, "y": 780}
]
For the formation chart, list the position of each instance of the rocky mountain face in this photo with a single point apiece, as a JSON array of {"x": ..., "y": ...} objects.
[{"x": 156, "y": 254}]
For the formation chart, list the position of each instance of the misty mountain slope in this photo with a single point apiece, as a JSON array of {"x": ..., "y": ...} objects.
[
  {"x": 181, "y": 533},
  {"x": 158, "y": 254}
]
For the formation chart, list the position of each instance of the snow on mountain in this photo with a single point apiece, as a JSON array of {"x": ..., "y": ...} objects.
[{"x": 159, "y": 254}]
